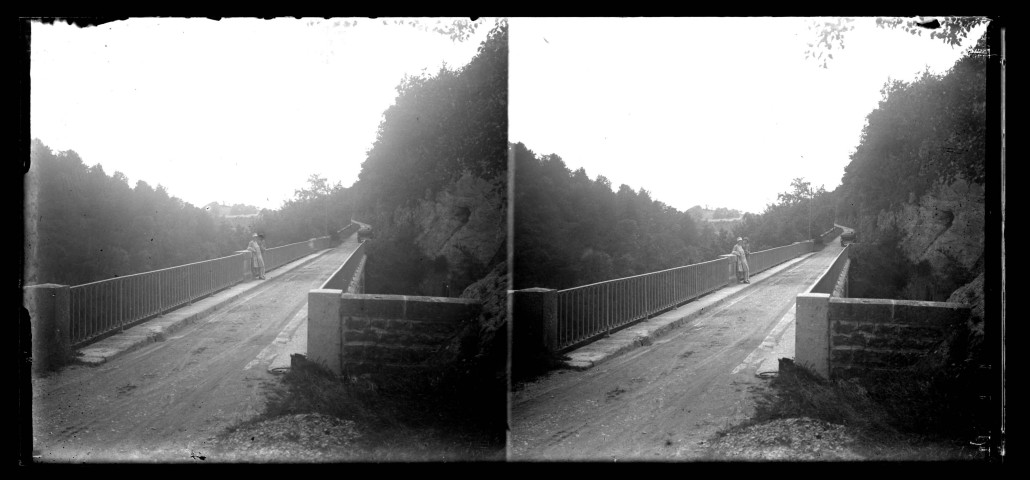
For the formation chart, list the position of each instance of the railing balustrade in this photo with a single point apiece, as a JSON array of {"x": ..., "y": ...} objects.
[
  {"x": 98, "y": 308},
  {"x": 767, "y": 259},
  {"x": 590, "y": 310}
]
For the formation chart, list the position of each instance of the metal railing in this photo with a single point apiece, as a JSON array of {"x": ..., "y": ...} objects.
[
  {"x": 348, "y": 230},
  {"x": 830, "y": 234},
  {"x": 590, "y": 310},
  {"x": 279, "y": 256},
  {"x": 766, "y": 259},
  {"x": 100, "y": 307}
]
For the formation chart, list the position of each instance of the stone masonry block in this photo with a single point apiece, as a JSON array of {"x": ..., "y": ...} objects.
[
  {"x": 354, "y": 352},
  {"x": 442, "y": 309},
  {"x": 869, "y": 357},
  {"x": 355, "y": 323},
  {"x": 844, "y": 328},
  {"x": 894, "y": 330},
  {"x": 941, "y": 314},
  {"x": 394, "y": 337},
  {"x": 397, "y": 354},
  {"x": 861, "y": 310},
  {"x": 373, "y": 306},
  {"x": 840, "y": 357},
  {"x": 880, "y": 341},
  {"x": 368, "y": 335},
  {"x": 838, "y": 339},
  {"x": 425, "y": 328}
]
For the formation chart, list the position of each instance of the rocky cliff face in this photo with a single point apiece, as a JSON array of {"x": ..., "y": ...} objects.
[
  {"x": 944, "y": 231},
  {"x": 945, "y": 226},
  {"x": 467, "y": 219}
]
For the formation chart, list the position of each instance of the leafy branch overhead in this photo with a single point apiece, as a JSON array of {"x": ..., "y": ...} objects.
[
  {"x": 457, "y": 29},
  {"x": 830, "y": 33}
]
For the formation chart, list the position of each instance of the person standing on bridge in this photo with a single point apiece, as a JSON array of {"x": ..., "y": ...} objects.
[
  {"x": 256, "y": 249},
  {"x": 741, "y": 254}
]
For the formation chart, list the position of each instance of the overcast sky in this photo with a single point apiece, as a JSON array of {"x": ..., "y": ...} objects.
[
  {"x": 711, "y": 111},
  {"x": 235, "y": 111},
  {"x": 721, "y": 112}
]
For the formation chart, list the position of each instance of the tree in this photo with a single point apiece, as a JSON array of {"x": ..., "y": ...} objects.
[{"x": 830, "y": 33}]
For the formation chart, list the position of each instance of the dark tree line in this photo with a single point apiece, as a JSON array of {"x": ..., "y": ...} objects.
[
  {"x": 90, "y": 226},
  {"x": 571, "y": 230}
]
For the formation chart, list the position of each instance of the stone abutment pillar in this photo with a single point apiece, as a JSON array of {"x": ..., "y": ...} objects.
[
  {"x": 49, "y": 311},
  {"x": 534, "y": 320}
]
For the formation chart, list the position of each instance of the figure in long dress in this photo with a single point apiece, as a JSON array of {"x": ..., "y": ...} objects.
[{"x": 256, "y": 249}]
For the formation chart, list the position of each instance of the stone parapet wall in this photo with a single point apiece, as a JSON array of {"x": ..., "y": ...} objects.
[
  {"x": 841, "y": 288},
  {"x": 830, "y": 235},
  {"x": 386, "y": 332},
  {"x": 869, "y": 335}
]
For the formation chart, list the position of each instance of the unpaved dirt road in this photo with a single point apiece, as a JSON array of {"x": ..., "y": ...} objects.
[
  {"x": 167, "y": 400},
  {"x": 666, "y": 400}
]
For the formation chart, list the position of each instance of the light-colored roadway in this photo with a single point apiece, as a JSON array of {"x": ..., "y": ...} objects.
[
  {"x": 168, "y": 399},
  {"x": 664, "y": 401}
]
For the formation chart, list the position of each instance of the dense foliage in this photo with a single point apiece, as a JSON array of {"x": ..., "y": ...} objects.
[
  {"x": 829, "y": 33},
  {"x": 440, "y": 127},
  {"x": 923, "y": 133},
  {"x": 799, "y": 214},
  {"x": 89, "y": 226},
  {"x": 570, "y": 230},
  {"x": 723, "y": 212},
  {"x": 319, "y": 210}
]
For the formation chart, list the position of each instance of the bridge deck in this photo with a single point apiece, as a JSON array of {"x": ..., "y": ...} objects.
[
  {"x": 167, "y": 399},
  {"x": 665, "y": 396}
]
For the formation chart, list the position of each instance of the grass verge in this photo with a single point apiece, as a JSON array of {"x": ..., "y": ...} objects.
[
  {"x": 401, "y": 416},
  {"x": 915, "y": 414}
]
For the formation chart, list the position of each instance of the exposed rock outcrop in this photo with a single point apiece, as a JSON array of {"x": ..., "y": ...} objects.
[
  {"x": 946, "y": 226},
  {"x": 469, "y": 216},
  {"x": 465, "y": 223},
  {"x": 942, "y": 234}
]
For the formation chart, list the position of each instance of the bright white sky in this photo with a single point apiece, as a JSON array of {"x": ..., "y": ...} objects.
[
  {"x": 235, "y": 111},
  {"x": 721, "y": 112}
]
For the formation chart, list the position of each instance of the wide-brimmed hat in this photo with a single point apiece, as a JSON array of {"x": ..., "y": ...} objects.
[{"x": 256, "y": 235}]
